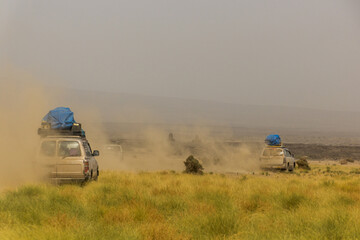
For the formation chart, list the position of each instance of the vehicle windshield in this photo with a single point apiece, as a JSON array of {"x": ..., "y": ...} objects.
[
  {"x": 273, "y": 152},
  {"x": 69, "y": 149}
]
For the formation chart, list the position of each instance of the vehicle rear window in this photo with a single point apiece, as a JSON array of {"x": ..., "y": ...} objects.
[
  {"x": 69, "y": 149},
  {"x": 273, "y": 152},
  {"x": 48, "y": 148}
]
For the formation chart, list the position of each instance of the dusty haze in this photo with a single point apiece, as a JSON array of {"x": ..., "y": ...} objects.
[
  {"x": 24, "y": 101},
  {"x": 222, "y": 71},
  {"x": 258, "y": 52}
]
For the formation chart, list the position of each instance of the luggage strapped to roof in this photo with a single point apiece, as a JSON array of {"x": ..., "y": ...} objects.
[
  {"x": 75, "y": 130},
  {"x": 60, "y": 121},
  {"x": 273, "y": 140}
]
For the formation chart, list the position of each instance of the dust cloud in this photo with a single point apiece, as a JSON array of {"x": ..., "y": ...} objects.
[
  {"x": 22, "y": 105},
  {"x": 24, "y": 101},
  {"x": 156, "y": 148},
  {"x": 145, "y": 144}
]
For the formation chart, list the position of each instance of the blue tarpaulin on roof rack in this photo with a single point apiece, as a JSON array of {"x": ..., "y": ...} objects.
[
  {"x": 273, "y": 140},
  {"x": 60, "y": 118}
]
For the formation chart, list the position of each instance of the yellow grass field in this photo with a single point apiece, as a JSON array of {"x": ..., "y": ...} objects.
[{"x": 322, "y": 203}]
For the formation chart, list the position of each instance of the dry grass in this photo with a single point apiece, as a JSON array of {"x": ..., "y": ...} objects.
[{"x": 319, "y": 204}]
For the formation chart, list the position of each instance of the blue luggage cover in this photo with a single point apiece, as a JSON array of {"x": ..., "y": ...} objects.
[
  {"x": 60, "y": 118},
  {"x": 273, "y": 140}
]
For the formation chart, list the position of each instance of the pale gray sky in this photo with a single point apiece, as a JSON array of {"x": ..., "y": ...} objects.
[{"x": 265, "y": 52}]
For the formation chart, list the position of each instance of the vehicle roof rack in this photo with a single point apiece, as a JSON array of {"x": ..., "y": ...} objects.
[{"x": 45, "y": 130}]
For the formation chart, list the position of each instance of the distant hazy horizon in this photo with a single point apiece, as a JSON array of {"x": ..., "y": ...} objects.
[
  {"x": 61, "y": 89},
  {"x": 97, "y": 106},
  {"x": 251, "y": 52}
]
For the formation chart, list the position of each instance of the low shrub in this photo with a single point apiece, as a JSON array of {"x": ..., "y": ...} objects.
[
  {"x": 192, "y": 165},
  {"x": 303, "y": 163}
]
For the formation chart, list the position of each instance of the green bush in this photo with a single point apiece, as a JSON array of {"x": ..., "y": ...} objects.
[
  {"x": 192, "y": 165},
  {"x": 303, "y": 163}
]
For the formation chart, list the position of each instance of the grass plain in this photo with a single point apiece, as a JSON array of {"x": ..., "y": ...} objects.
[{"x": 322, "y": 203}]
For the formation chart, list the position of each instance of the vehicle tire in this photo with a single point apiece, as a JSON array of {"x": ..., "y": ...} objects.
[
  {"x": 290, "y": 167},
  {"x": 97, "y": 174},
  {"x": 86, "y": 180}
]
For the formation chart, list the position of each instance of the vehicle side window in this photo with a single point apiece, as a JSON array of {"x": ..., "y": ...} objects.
[
  {"x": 69, "y": 149},
  {"x": 87, "y": 149},
  {"x": 48, "y": 148},
  {"x": 287, "y": 153}
]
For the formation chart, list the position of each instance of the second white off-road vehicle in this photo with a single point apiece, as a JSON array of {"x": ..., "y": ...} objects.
[{"x": 277, "y": 157}]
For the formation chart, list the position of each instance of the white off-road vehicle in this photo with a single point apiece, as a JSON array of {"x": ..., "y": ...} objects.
[
  {"x": 67, "y": 156},
  {"x": 277, "y": 157}
]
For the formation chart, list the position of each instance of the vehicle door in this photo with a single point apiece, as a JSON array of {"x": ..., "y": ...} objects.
[
  {"x": 288, "y": 156},
  {"x": 90, "y": 158},
  {"x": 47, "y": 158},
  {"x": 292, "y": 158},
  {"x": 70, "y": 159}
]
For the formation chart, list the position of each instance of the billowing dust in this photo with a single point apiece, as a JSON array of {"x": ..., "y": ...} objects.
[
  {"x": 24, "y": 102},
  {"x": 22, "y": 105},
  {"x": 158, "y": 149}
]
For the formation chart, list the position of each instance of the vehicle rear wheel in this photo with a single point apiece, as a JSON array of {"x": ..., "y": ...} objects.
[
  {"x": 97, "y": 174},
  {"x": 287, "y": 166},
  {"x": 290, "y": 167}
]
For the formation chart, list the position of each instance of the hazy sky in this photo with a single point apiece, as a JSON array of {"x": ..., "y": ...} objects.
[{"x": 265, "y": 52}]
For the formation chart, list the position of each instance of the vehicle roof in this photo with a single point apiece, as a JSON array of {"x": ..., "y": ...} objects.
[
  {"x": 64, "y": 137},
  {"x": 275, "y": 147}
]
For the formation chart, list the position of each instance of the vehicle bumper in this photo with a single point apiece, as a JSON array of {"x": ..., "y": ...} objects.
[
  {"x": 273, "y": 165},
  {"x": 68, "y": 180}
]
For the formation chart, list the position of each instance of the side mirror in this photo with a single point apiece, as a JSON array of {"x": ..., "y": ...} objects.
[{"x": 96, "y": 153}]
